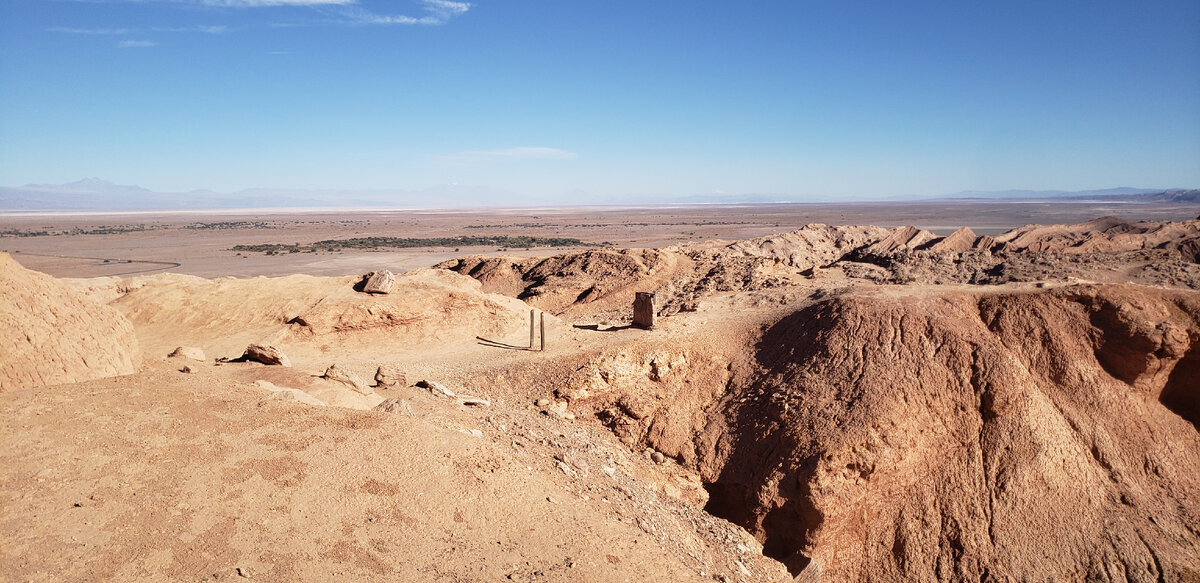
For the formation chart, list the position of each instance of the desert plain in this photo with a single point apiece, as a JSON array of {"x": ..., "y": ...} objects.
[{"x": 950, "y": 391}]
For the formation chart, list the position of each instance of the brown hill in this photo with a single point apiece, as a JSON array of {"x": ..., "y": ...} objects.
[
  {"x": 960, "y": 241},
  {"x": 958, "y": 437},
  {"x": 901, "y": 240},
  {"x": 1103, "y": 235},
  {"x": 53, "y": 336}
]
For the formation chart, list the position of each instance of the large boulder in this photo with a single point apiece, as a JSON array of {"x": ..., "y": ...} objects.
[
  {"x": 50, "y": 335},
  {"x": 388, "y": 375},
  {"x": 265, "y": 354},
  {"x": 378, "y": 282},
  {"x": 347, "y": 377}
]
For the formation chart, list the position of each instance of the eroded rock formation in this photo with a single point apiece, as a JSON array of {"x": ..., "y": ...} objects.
[{"x": 962, "y": 437}]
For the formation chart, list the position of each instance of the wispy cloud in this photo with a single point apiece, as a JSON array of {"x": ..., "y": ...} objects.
[
  {"x": 90, "y": 31},
  {"x": 203, "y": 29},
  {"x": 271, "y": 3},
  {"x": 330, "y": 12},
  {"x": 136, "y": 44},
  {"x": 518, "y": 153},
  {"x": 437, "y": 12}
]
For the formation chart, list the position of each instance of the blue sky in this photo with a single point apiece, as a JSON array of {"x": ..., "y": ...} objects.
[{"x": 575, "y": 100}]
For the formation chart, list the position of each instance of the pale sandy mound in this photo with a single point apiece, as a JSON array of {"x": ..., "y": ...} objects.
[
  {"x": 299, "y": 314},
  {"x": 50, "y": 335},
  {"x": 186, "y": 477}
]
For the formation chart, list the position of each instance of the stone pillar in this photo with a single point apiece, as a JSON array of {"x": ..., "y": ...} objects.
[
  {"x": 643, "y": 310},
  {"x": 531, "y": 329}
]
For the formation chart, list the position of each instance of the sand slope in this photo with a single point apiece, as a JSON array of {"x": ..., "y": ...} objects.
[
  {"x": 189, "y": 477},
  {"x": 53, "y": 336}
]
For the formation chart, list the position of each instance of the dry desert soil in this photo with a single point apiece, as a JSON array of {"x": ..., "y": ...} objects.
[{"x": 994, "y": 392}]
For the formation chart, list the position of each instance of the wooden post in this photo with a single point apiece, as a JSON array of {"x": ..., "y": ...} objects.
[
  {"x": 531, "y": 329},
  {"x": 643, "y": 310},
  {"x": 542, "y": 331}
]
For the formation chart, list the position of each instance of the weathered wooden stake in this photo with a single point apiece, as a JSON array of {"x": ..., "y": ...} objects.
[
  {"x": 643, "y": 310},
  {"x": 542, "y": 331},
  {"x": 531, "y": 329}
]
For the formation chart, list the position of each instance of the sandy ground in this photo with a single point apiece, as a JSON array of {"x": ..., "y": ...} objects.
[
  {"x": 169, "y": 476},
  {"x": 172, "y": 238}
]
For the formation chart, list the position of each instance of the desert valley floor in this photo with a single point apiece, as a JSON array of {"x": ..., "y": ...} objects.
[{"x": 950, "y": 392}]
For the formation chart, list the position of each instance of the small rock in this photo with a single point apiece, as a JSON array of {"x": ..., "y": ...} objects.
[
  {"x": 658, "y": 457},
  {"x": 558, "y": 413},
  {"x": 473, "y": 432},
  {"x": 389, "y": 376},
  {"x": 610, "y": 471},
  {"x": 395, "y": 406},
  {"x": 568, "y": 470},
  {"x": 344, "y": 376},
  {"x": 672, "y": 490},
  {"x": 243, "y": 572},
  {"x": 378, "y": 282},
  {"x": 575, "y": 461},
  {"x": 266, "y": 354},
  {"x": 436, "y": 388},
  {"x": 187, "y": 369},
  {"x": 474, "y": 401},
  {"x": 188, "y": 352},
  {"x": 543, "y": 402}
]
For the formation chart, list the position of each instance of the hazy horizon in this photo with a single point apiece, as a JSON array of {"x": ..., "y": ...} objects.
[{"x": 97, "y": 195}]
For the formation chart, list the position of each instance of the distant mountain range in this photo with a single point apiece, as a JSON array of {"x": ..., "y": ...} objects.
[
  {"x": 1033, "y": 194},
  {"x": 94, "y": 194},
  {"x": 1122, "y": 194}
]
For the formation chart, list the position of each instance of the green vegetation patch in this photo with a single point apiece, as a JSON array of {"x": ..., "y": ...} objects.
[{"x": 373, "y": 243}]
